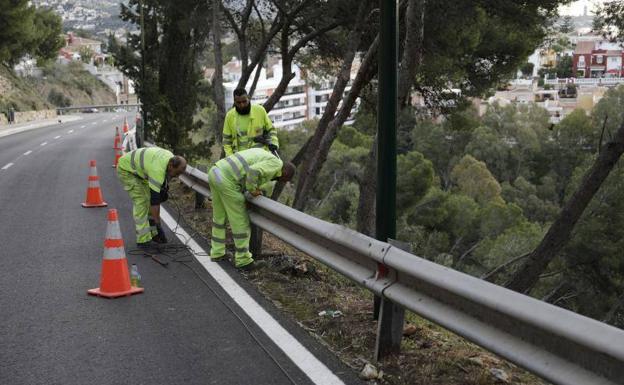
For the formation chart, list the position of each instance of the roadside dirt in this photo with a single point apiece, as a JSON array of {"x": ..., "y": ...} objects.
[{"x": 338, "y": 314}]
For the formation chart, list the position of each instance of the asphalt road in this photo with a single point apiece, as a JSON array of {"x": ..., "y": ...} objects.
[{"x": 52, "y": 332}]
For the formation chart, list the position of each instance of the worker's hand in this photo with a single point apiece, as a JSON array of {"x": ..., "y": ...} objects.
[
  {"x": 272, "y": 147},
  {"x": 255, "y": 193}
]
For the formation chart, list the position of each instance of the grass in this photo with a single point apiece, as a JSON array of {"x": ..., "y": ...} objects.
[{"x": 301, "y": 288}]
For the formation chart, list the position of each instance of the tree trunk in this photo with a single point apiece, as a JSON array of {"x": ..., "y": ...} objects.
[
  {"x": 324, "y": 135},
  {"x": 412, "y": 49},
  {"x": 217, "y": 78},
  {"x": 287, "y": 74},
  {"x": 365, "y": 216},
  {"x": 296, "y": 160},
  {"x": 412, "y": 57},
  {"x": 288, "y": 55},
  {"x": 254, "y": 83},
  {"x": 559, "y": 233}
]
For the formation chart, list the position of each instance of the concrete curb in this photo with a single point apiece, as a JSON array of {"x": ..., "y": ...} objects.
[{"x": 6, "y": 130}]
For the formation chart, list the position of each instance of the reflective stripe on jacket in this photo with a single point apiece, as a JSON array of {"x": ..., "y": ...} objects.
[
  {"x": 238, "y": 132},
  {"x": 251, "y": 168},
  {"x": 147, "y": 163}
]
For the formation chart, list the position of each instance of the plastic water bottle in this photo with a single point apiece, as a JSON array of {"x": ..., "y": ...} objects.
[{"x": 135, "y": 277}]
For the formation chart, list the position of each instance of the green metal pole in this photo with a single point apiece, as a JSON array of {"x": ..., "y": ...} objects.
[
  {"x": 389, "y": 315},
  {"x": 387, "y": 121}
]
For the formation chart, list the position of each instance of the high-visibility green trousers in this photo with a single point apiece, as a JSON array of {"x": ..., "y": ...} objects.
[
  {"x": 139, "y": 192},
  {"x": 228, "y": 204}
]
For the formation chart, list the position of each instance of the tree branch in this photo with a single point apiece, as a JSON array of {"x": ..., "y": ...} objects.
[
  {"x": 559, "y": 232},
  {"x": 492, "y": 273}
]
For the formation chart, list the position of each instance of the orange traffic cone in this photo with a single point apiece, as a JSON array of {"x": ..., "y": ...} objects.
[
  {"x": 125, "y": 126},
  {"x": 94, "y": 194},
  {"x": 117, "y": 156},
  {"x": 115, "y": 278},
  {"x": 117, "y": 142}
]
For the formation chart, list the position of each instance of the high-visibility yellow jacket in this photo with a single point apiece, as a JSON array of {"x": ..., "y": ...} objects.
[
  {"x": 149, "y": 164},
  {"x": 239, "y": 130},
  {"x": 250, "y": 168}
]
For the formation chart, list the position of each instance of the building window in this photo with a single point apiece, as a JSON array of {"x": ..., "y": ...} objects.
[
  {"x": 321, "y": 98},
  {"x": 599, "y": 59},
  {"x": 581, "y": 61},
  {"x": 318, "y": 110}
]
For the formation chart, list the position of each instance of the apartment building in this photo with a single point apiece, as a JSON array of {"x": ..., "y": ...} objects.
[{"x": 305, "y": 98}]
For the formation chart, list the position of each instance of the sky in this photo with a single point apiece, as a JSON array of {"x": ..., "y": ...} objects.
[{"x": 576, "y": 7}]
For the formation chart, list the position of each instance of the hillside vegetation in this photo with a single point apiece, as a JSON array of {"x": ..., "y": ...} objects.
[{"x": 59, "y": 86}]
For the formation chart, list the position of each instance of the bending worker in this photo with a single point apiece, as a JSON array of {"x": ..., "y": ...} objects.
[
  {"x": 144, "y": 174},
  {"x": 229, "y": 179},
  {"x": 247, "y": 126}
]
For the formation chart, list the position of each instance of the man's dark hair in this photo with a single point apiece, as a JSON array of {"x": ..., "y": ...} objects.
[
  {"x": 240, "y": 92},
  {"x": 176, "y": 161}
]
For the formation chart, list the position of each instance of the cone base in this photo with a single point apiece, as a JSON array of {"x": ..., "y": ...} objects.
[
  {"x": 89, "y": 205},
  {"x": 114, "y": 166},
  {"x": 133, "y": 290}
]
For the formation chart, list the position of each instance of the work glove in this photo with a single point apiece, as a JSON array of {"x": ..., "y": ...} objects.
[
  {"x": 261, "y": 139},
  {"x": 164, "y": 195},
  {"x": 272, "y": 147},
  {"x": 160, "y": 237}
]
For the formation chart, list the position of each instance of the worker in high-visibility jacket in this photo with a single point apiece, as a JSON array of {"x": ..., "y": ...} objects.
[
  {"x": 247, "y": 126},
  {"x": 144, "y": 174},
  {"x": 230, "y": 179}
]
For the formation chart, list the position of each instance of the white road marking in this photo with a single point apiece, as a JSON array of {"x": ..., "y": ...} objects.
[
  {"x": 43, "y": 144},
  {"x": 300, "y": 356},
  {"x": 94, "y": 123},
  {"x": 70, "y": 131},
  {"x": 27, "y": 152},
  {"x": 7, "y": 166},
  {"x": 83, "y": 126},
  {"x": 56, "y": 137}
]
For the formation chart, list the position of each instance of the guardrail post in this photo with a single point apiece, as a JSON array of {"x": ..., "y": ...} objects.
[
  {"x": 199, "y": 198},
  {"x": 255, "y": 243},
  {"x": 390, "y": 321}
]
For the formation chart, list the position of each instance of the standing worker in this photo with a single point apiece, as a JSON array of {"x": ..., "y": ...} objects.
[
  {"x": 144, "y": 174},
  {"x": 229, "y": 179},
  {"x": 247, "y": 126}
]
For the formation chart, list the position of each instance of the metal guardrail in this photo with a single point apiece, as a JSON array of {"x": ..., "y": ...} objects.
[
  {"x": 585, "y": 81},
  {"x": 558, "y": 345},
  {"x": 106, "y": 107}
]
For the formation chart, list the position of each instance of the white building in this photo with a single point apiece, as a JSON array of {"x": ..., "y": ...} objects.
[
  {"x": 290, "y": 111},
  {"x": 300, "y": 102}
]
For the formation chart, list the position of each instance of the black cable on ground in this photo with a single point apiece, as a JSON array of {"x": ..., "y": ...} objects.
[{"x": 168, "y": 249}]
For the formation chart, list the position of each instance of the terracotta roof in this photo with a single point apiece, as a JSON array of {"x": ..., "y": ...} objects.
[{"x": 584, "y": 47}]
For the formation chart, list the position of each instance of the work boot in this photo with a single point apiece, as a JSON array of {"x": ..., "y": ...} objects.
[
  {"x": 255, "y": 265},
  {"x": 225, "y": 257},
  {"x": 160, "y": 238}
]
